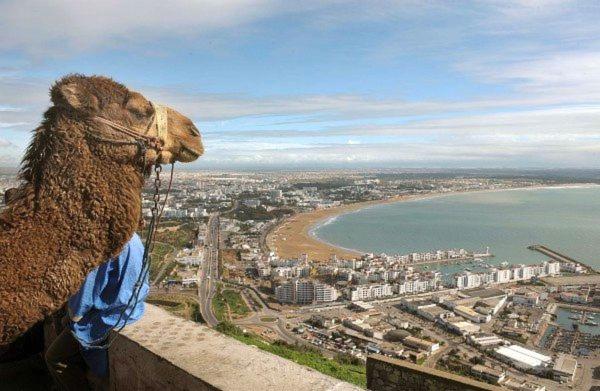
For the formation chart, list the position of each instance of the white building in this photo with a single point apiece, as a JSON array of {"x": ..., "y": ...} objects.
[
  {"x": 324, "y": 293},
  {"x": 552, "y": 268},
  {"x": 522, "y": 358},
  {"x": 484, "y": 340},
  {"x": 467, "y": 280},
  {"x": 502, "y": 275},
  {"x": 373, "y": 291},
  {"x": 463, "y": 327},
  {"x": 530, "y": 299},
  {"x": 572, "y": 267},
  {"x": 298, "y": 291}
]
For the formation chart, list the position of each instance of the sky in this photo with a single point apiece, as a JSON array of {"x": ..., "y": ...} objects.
[{"x": 344, "y": 84}]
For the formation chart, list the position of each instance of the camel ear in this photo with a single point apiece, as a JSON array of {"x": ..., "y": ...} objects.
[
  {"x": 138, "y": 105},
  {"x": 73, "y": 95}
]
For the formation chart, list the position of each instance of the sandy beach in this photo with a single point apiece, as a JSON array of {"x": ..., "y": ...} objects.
[{"x": 293, "y": 237}]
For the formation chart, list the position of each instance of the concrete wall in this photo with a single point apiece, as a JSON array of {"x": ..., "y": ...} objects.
[
  {"x": 133, "y": 367},
  {"x": 388, "y": 374},
  {"x": 164, "y": 352}
]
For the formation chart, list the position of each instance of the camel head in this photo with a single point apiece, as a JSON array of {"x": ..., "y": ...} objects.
[{"x": 89, "y": 97}]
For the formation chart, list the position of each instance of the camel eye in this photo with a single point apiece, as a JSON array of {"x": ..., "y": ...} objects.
[{"x": 194, "y": 130}]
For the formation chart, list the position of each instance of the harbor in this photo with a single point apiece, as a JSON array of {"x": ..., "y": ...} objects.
[{"x": 574, "y": 330}]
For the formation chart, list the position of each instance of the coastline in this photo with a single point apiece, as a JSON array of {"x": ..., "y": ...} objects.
[{"x": 295, "y": 235}]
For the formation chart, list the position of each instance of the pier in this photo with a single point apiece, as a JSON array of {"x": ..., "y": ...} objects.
[{"x": 558, "y": 256}]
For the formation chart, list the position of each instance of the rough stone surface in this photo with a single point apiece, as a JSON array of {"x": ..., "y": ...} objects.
[
  {"x": 163, "y": 352},
  {"x": 387, "y": 374}
]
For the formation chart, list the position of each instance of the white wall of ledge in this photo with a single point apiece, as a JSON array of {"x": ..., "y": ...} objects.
[{"x": 164, "y": 352}]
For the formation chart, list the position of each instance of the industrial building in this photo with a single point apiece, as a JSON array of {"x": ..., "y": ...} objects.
[
  {"x": 564, "y": 368},
  {"x": 484, "y": 340},
  {"x": 461, "y": 326},
  {"x": 421, "y": 344},
  {"x": 471, "y": 315},
  {"x": 489, "y": 374},
  {"x": 523, "y": 358}
]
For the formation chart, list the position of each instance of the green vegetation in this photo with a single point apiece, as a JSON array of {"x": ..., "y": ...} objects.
[
  {"x": 180, "y": 305},
  {"x": 348, "y": 359},
  {"x": 167, "y": 241},
  {"x": 181, "y": 237},
  {"x": 302, "y": 355},
  {"x": 169, "y": 223},
  {"x": 244, "y": 213},
  {"x": 159, "y": 255},
  {"x": 324, "y": 185},
  {"x": 227, "y": 300},
  {"x": 268, "y": 319}
]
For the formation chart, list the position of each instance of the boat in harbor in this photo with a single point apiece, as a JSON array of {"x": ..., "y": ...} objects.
[
  {"x": 591, "y": 323},
  {"x": 575, "y": 317},
  {"x": 504, "y": 264}
]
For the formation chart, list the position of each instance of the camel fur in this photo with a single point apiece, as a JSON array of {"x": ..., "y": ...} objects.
[{"x": 80, "y": 200}]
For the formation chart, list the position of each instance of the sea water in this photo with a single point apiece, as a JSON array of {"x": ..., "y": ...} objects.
[{"x": 566, "y": 219}]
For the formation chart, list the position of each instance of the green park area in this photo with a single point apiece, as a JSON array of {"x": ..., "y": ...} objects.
[
  {"x": 180, "y": 236},
  {"x": 228, "y": 303},
  {"x": 171, "y": 236}
]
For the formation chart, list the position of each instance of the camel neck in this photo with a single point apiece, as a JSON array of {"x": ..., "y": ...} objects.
[{"x": 87, "y": 193}]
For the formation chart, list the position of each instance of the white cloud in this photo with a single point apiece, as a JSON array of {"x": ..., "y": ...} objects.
[
  {"x": 568, "y": 75},
  {"x": 65, "y": 26},
  {"x": 564, "y": 133},
  {"x": 5, "y": 143},
  {"x": 468, "y": 154}
]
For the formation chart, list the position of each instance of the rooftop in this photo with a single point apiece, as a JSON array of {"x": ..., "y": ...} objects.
[
  {"x": 487, "y": 370},
  {"x": 523, "y": 355},
  {"x": 484, "y": 293},
  {"x": 565, "y": 364}
]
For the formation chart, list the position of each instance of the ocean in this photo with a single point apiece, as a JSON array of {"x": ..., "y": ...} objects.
[{"x": 566, "y": 219}]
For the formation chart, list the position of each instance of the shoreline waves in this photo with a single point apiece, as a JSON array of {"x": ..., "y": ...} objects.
[{"x": 296, "y": 235}]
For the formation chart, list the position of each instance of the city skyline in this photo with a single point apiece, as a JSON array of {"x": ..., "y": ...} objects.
[{"x": 328, "y": 84}]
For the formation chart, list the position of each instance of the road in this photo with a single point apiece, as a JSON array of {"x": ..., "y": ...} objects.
[{"x": 208, "y": 274}]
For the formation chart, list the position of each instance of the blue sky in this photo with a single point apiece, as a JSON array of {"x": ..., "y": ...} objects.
[{"x": 328, "y": 83}]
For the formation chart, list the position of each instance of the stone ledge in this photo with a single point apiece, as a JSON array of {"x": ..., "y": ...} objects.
[
  {"x": 384, "y": 373},
  {"x": 162, "y": 351}
]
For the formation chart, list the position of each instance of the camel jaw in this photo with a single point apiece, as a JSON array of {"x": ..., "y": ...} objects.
[{"x": 185, "y": 155}]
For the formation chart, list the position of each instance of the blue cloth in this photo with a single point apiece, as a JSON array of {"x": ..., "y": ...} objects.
[{"x": 97, "y": 305}]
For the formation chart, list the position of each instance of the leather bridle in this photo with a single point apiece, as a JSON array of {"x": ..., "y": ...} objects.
[{"x": 141, "y": 139}]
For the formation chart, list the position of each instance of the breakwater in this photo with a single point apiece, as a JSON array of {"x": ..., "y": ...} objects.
[{"x": 558, "y": 256}]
